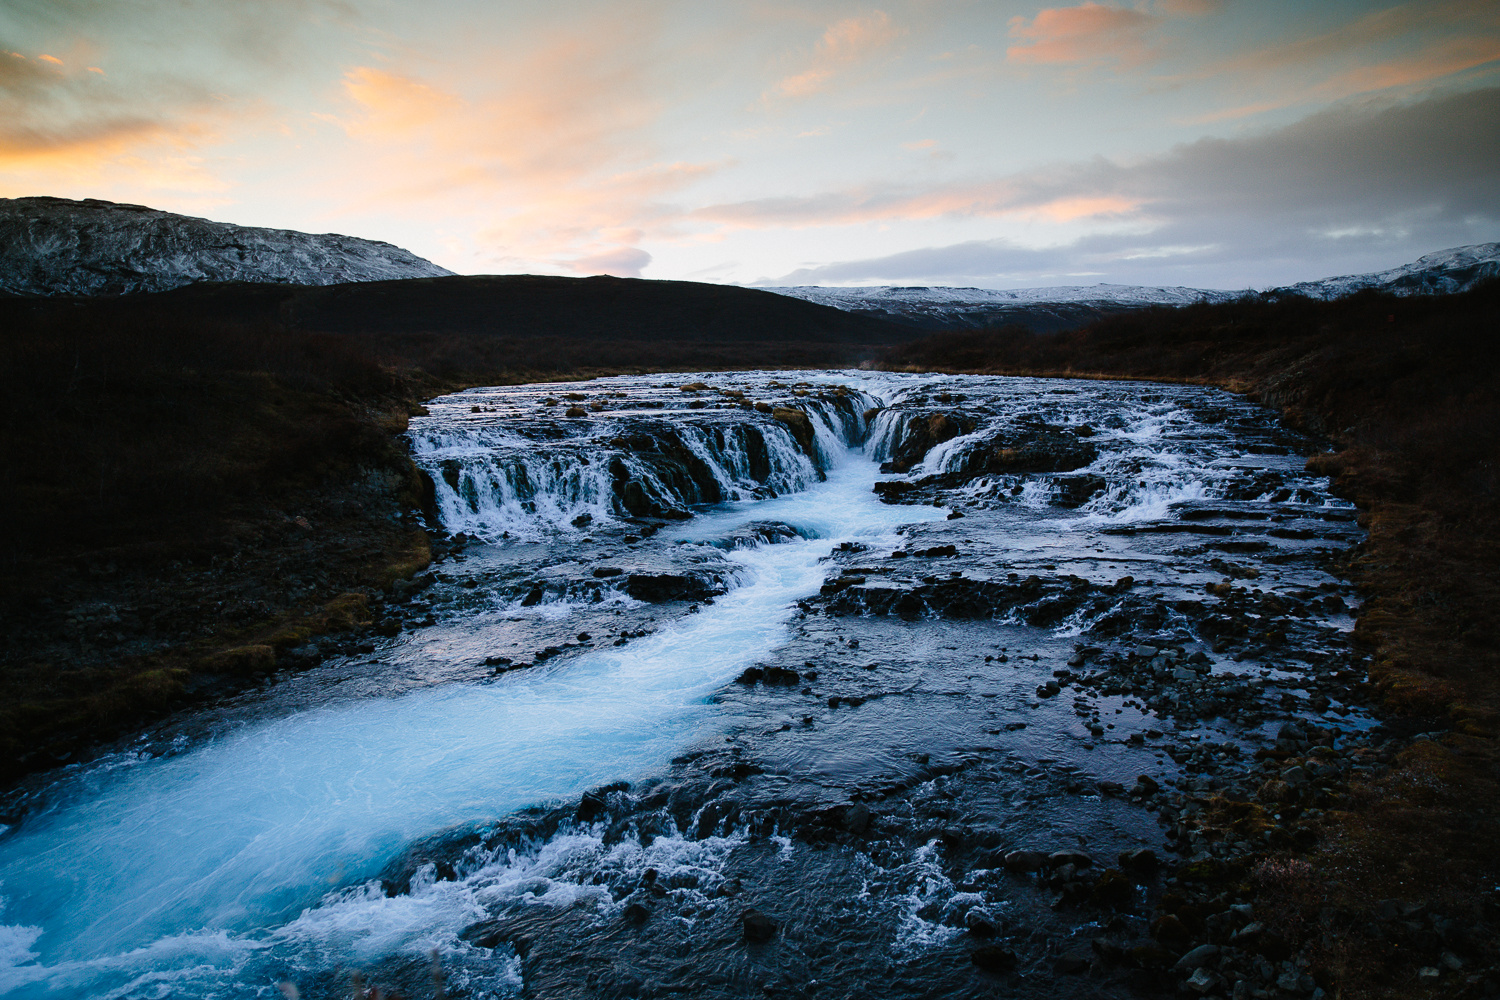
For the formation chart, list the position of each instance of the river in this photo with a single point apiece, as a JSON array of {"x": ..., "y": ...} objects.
[{"x": 773, "y": 642}]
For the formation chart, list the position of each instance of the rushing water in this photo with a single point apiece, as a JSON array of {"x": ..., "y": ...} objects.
[{"x": 264, "y": 855}]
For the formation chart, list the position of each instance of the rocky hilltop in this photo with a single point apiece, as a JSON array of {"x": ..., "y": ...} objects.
[
  {"x": 1442, "y": 273},
  {"x": 55, "y": 246}
]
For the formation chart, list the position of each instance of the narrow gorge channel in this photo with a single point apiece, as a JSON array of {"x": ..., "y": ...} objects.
[{"x": 745, "y": 684}]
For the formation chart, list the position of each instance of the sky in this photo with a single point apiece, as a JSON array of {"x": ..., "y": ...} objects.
[{"x": 1210, "y": 143}]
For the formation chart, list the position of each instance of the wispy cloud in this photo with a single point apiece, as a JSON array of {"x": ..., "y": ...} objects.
[
  {"x": 548, "y": 159},
  {"x": 50, "y": 113},
  {"x": 844, "y": 44},
  {"x": 1402, "y": 46}
]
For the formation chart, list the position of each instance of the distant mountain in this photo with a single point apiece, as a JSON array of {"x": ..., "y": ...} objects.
[
  {"x": 1068, "y": 306},
  {"x": 54, "y": 246},
  {"x": 1041, "y": 309},
  {"x": 1443, "y": 273}
]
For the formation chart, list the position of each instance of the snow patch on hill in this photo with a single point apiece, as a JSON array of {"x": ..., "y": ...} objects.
[
  {"x": 54, "y": 246},
  {"x": 1442, "y": 273}
]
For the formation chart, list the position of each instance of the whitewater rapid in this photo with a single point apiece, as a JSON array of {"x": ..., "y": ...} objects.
[{"x": 203, "y": 869}]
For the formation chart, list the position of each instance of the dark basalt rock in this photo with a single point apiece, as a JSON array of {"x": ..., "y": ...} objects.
[
  {"x": 994, "y": 958},
  {"x": 1075, "y": 491},
  {"x": 1033, "y": 448},
  {"x": 658, "y": 587},
  {"x": 801, "y": 427},
  {"x": 758, "y": 927},
  {"x": 921, "y": 433}
]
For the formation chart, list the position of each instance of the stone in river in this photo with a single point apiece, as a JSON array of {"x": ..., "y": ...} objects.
[
  {"x": 1198, "y": 957},
  {"x": 980, "y": 921},
  {"x": 993, "y": 958},
  {"x": 759, "y": 928}
]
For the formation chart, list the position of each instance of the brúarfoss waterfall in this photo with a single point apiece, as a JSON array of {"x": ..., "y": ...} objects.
[{"x": 784, "y": 644}]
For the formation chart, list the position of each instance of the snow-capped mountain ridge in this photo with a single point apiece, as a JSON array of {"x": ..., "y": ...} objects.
[
  {"x": 55, "y": 246},
  {"x": 1055, "y": 307},
  {"x": 1440, "y": 273},
  {"x": 944, "y": 308}
]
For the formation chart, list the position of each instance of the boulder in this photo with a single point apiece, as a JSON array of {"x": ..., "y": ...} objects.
[
  {"x": 758, "y": 928},
  {"x": 994, "y": 958}
]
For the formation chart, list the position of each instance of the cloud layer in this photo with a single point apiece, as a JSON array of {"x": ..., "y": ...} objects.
[
  {"x": 996, "y": 143},
  {"x": 1419, "y": 176}
]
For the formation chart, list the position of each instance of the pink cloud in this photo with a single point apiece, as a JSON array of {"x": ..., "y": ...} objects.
[
  {"x": 1091, "y": 32},
  {"x": 1049, "y": 195}
]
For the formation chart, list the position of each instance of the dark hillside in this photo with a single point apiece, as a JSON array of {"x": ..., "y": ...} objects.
[
  {"x": 518, "y": 306},
  {"x": 599, "y": 308}
]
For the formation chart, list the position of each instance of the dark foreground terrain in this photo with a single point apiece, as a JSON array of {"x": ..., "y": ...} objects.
[
  {"x": 217, "y": 468},
  {"x": 195, "y": 491}
]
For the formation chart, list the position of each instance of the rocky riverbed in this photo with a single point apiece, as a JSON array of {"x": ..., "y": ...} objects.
[{"x": 821, "y": 684}]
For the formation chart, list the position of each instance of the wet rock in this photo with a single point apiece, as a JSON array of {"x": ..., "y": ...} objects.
[
  {"x": 1032, "y": 448},
  {"x": 591, "y": 807},
  {"x": 857, "y": 818},
  {"x": 800, "y": 426},
  {"x": 920, "y": 433},
  {"x": 1025, "y": 861},
  {"x": 1114, "y": 890},
  {"x": 1198, "y": 957},
  {"x": 1202, "y": 981},
  {"x": 604, "y": 572},
  {"x": 1171, "y": 931},
  {"x": 894, "y": 489},
  {"x": 1075, "y": 491},
  {"x": 758, "y": 928},
  {"x": 994, "y": 958},
  {"x": 658, "y": 587},
  {"x": 635, "y": 913},
  {"x": 1151, "y": 955},
  {"x": 981, "y": 921},
  {"x": 1075, "y": 858},
  {"x": 1072, "y": 963}
]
